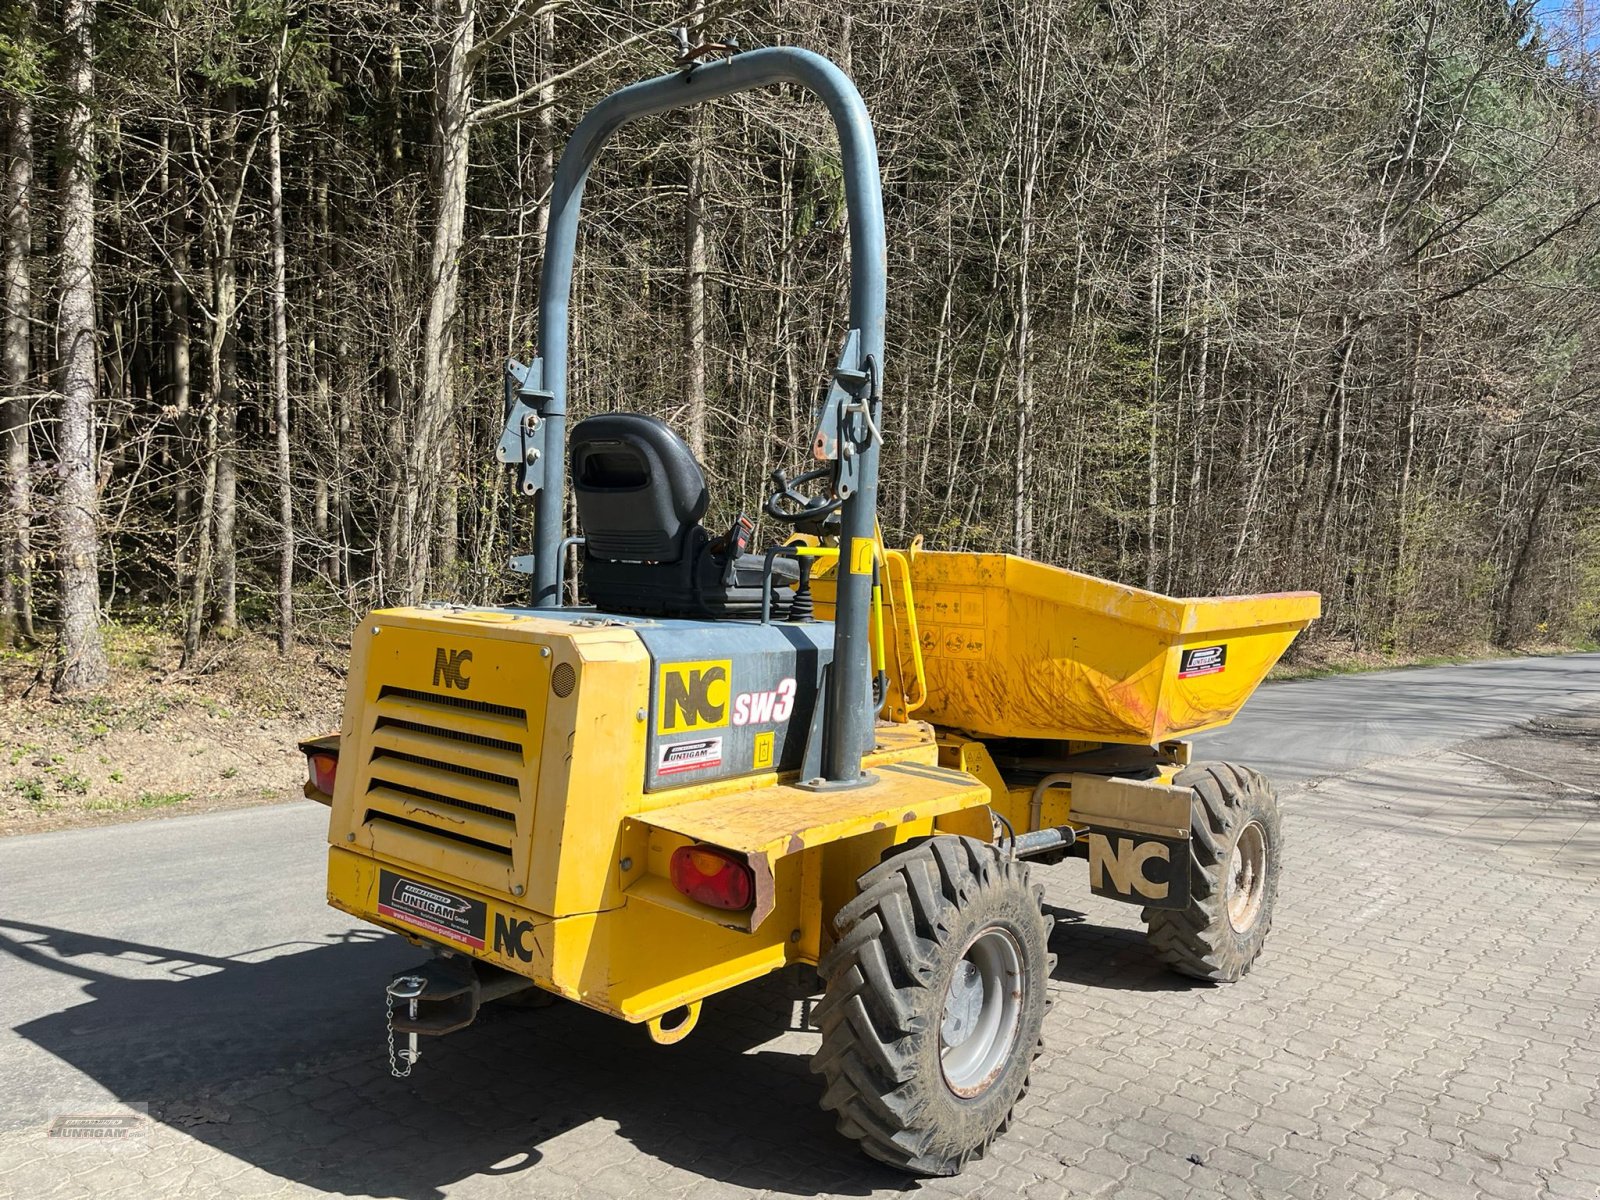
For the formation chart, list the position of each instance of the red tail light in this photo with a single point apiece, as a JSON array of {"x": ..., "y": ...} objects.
[
  {"x": 324, "y": 768},
  {"x": 712, "y": 877}
]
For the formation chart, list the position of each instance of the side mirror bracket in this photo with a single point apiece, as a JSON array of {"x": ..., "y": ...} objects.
[{"x": 522, "y": 444}]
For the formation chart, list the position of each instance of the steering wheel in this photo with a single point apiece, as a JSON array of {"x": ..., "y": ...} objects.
[{"x": 803, "y": 509}]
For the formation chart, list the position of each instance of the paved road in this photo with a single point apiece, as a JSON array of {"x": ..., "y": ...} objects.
[
  {"x": 1315, "y": 728},
  {"x": 1425, "y": 1022}
]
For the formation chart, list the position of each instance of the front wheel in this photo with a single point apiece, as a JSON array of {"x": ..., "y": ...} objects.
[
  {"x": 934, "y": 996},
  {"x": 1235, "y": 846}
]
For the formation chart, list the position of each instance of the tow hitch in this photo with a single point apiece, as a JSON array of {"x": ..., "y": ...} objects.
[{"x": 439, "y": 997}]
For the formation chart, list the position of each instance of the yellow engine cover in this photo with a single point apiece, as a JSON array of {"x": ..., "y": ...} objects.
[
  {"x": 492, "y": 800},
  {"x": 466, "y": 733}
]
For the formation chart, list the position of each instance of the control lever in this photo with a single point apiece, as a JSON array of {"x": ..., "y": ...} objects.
[{"x": 736, "y": 543}]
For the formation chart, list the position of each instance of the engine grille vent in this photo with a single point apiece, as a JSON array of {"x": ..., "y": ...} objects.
[
  {"x": 504, "y": 710},
  {"x": 444, "y": 782}
]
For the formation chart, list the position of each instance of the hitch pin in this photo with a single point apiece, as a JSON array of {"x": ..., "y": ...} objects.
[{"x": 408, "y": 988}]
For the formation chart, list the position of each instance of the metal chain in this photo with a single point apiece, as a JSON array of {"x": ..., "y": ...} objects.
[
  {"x": 388, "y": 1025},
  {"x": 408, "y": 988}
]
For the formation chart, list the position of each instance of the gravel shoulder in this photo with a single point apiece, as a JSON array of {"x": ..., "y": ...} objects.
[{"x": 161, "y": 740}]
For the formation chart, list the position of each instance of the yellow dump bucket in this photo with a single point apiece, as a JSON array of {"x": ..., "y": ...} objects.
[{"x": 1013, "y": 648}]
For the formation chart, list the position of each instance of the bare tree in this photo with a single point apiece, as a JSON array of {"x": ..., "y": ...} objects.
[
  {"x": 694, "y": 273},
  {"x": 83, "y": 665},
  {"x": 426, "y": 455},
  {"x": 280, "y": 352},
  {"x": 16, "y": 561},
  {"x": 223, "y": 401},
  {"x": 694, "y": 269},
  {"x": 216, "y": 522}
]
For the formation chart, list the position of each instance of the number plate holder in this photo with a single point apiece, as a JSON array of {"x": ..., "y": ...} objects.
[
  {"x": 1138, "y": 869},
  {"x": 1138, "y": 839}
]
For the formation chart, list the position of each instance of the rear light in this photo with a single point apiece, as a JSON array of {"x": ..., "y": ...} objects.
[
  {"x": 324, "y": 767},
  {"x": 712, "y": 877}
]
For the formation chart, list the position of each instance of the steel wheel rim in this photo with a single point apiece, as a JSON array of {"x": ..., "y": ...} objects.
[
  {"x": 1247, "y": 877},
  {"x": 982, "y": 1012}
]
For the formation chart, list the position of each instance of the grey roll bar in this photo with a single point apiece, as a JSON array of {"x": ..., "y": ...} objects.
[{"x": 536, "y": 396}]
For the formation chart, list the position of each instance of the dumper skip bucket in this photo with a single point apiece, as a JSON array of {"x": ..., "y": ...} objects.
[{"x": 1016, "y": 649}]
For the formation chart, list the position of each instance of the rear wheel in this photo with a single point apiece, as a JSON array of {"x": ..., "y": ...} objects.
[
  {"x": 934, "y": 996},
  {"x": 1234, "y": 846}
]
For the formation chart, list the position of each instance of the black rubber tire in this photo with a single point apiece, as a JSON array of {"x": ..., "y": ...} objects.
[
  {"x": 899, "y": 943},
  {"x": 1199, "y": 941}
]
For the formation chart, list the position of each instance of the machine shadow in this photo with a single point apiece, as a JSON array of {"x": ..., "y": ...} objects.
[
  {"x": 281, "y": 1063},
  {"x": 1108, "y": 956}
]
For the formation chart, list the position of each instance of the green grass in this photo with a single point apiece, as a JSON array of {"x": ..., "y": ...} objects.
[
  {"x": 1329, "y": 670},
  {"x": 146, "y": 800},
  {"x": 30, "y": 788},
  {"x": 160, "y": 799},
  {"x": 73, "y": 784}
]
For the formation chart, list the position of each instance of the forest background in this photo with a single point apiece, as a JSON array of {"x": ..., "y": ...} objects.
[{"x": 1200, "y": 296}]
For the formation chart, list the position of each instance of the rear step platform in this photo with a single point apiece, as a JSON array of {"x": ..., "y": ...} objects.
[
  {"x": 764, "y": 824},
  {"x": 783, "y": 819}
]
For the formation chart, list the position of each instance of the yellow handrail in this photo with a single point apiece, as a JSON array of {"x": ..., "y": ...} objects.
[
  {"x": 894, "y": 586},
  {"x": 895, "y": 558}
]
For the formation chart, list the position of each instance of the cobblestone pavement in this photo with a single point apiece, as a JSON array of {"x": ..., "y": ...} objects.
[{"x": 1425, "y": 1023}]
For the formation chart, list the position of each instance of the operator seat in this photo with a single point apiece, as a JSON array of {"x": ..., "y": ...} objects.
[{"x": 641, "y": 496}]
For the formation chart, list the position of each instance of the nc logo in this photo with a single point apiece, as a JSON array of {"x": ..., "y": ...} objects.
[
  {"x": 449, "y": 668},
  {"x": 511, "y": 937},
  {"x": 1126, "y": 865}
]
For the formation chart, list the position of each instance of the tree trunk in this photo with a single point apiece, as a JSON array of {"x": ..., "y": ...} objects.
[
  {"x": 280, "y": 363},
  {"x": 180, "y": 372},
  {"x": 216, "y": 521},
  {"x": 1022, "y": 485},
  {"x": 386, "y": 565},
  {"x": 1157, "y": 341},
  {"x": 179, "y": 361},
  {"x": 16, "y": 564},
  {"x": 546, "y": 124},
  {"x": 694, "y": 272},
  {"x": 225, "y": 374},
  {"x": 1032, "y": 34},
  {"x": 83, "y": 658},
  {"x": 1506, "y": 618},
  {"x": 322, "y": 342},
  {"x": 199, "y": 580},
  {"x": 426, "y": 456}
]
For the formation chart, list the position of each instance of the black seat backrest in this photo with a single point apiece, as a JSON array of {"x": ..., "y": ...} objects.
[{"x": 638, "y": 488}]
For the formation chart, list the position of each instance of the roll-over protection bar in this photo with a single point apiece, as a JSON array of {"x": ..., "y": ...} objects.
[{"x": 536, "y": 400}]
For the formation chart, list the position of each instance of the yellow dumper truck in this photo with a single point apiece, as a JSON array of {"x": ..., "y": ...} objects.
[{"x": 822, "y": 751}]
